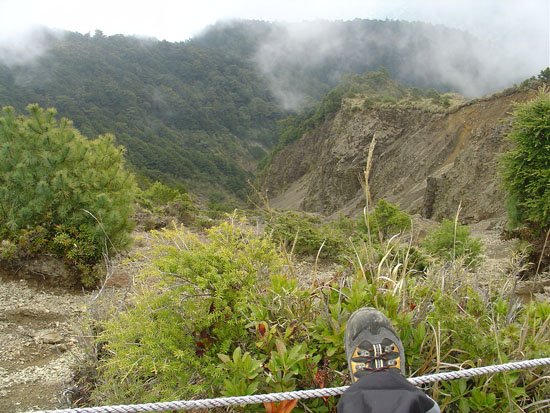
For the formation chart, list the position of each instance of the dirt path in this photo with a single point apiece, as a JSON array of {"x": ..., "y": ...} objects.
[
  {"x": 498, "y": 253},
  {"x": 38, "y": 343},
  {"x": 502, "y": 263}
]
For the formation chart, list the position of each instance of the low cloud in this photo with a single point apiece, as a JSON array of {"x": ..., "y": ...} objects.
[
  {"x": 292, "y": 50},
  {"x": 448, "y": 58},
  {"x": 25, "y": 46}
]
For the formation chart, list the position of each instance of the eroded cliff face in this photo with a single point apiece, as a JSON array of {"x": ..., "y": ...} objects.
[{"x": 426, "y": 162}]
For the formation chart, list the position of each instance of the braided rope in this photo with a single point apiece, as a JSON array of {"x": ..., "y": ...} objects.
[{"x": 300, "y": 394}]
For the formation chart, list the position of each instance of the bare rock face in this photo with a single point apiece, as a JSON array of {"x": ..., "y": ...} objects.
[{"x": 426, "y": 162}]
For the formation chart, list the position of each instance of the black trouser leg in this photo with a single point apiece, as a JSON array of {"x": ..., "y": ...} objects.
[{"x": 385, "y": 392}]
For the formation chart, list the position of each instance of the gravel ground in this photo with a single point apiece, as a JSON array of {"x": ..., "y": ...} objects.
[{"x": 38, "y": 343}]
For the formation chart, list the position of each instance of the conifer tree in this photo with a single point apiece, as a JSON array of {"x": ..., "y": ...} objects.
[{"x": 76, "y": 191}]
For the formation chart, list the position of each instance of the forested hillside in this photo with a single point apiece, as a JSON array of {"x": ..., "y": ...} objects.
[
  {"x": 181, "y": 111},
  {"x": 205, "y": 111}
]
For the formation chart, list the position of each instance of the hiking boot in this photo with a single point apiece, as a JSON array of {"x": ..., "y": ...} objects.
[{"x": 372, "y": 344}]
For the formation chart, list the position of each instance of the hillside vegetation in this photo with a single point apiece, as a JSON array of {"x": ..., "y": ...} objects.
[
  {"x": 184, "y": 113},
  {"x": 227, "y": 314}
]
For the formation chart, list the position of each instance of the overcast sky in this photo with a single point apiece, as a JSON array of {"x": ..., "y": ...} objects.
[{"x": 178, "y": 20}]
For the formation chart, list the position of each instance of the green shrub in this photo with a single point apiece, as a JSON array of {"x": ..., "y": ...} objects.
[
  {"x": 526, "y": 173},
  {"x": 159, "y": 194},
  {"x": 450, "y": 241},
  {"x": 165, "y": 200},
  {"x": 526, "y": 168},
  {"x": 172, "y": 337},
  {"x": 72, "y": 194},
  {"x": 306, "y": 234},
  {"x": 8, "y": 249},
  {"x": 386, "y": 220}
]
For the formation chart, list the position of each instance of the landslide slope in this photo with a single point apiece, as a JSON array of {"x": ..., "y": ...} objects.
[{"x": 426, "y": 162}]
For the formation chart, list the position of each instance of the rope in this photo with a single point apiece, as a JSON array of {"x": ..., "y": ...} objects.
[{"x": 300, "y": 394}]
